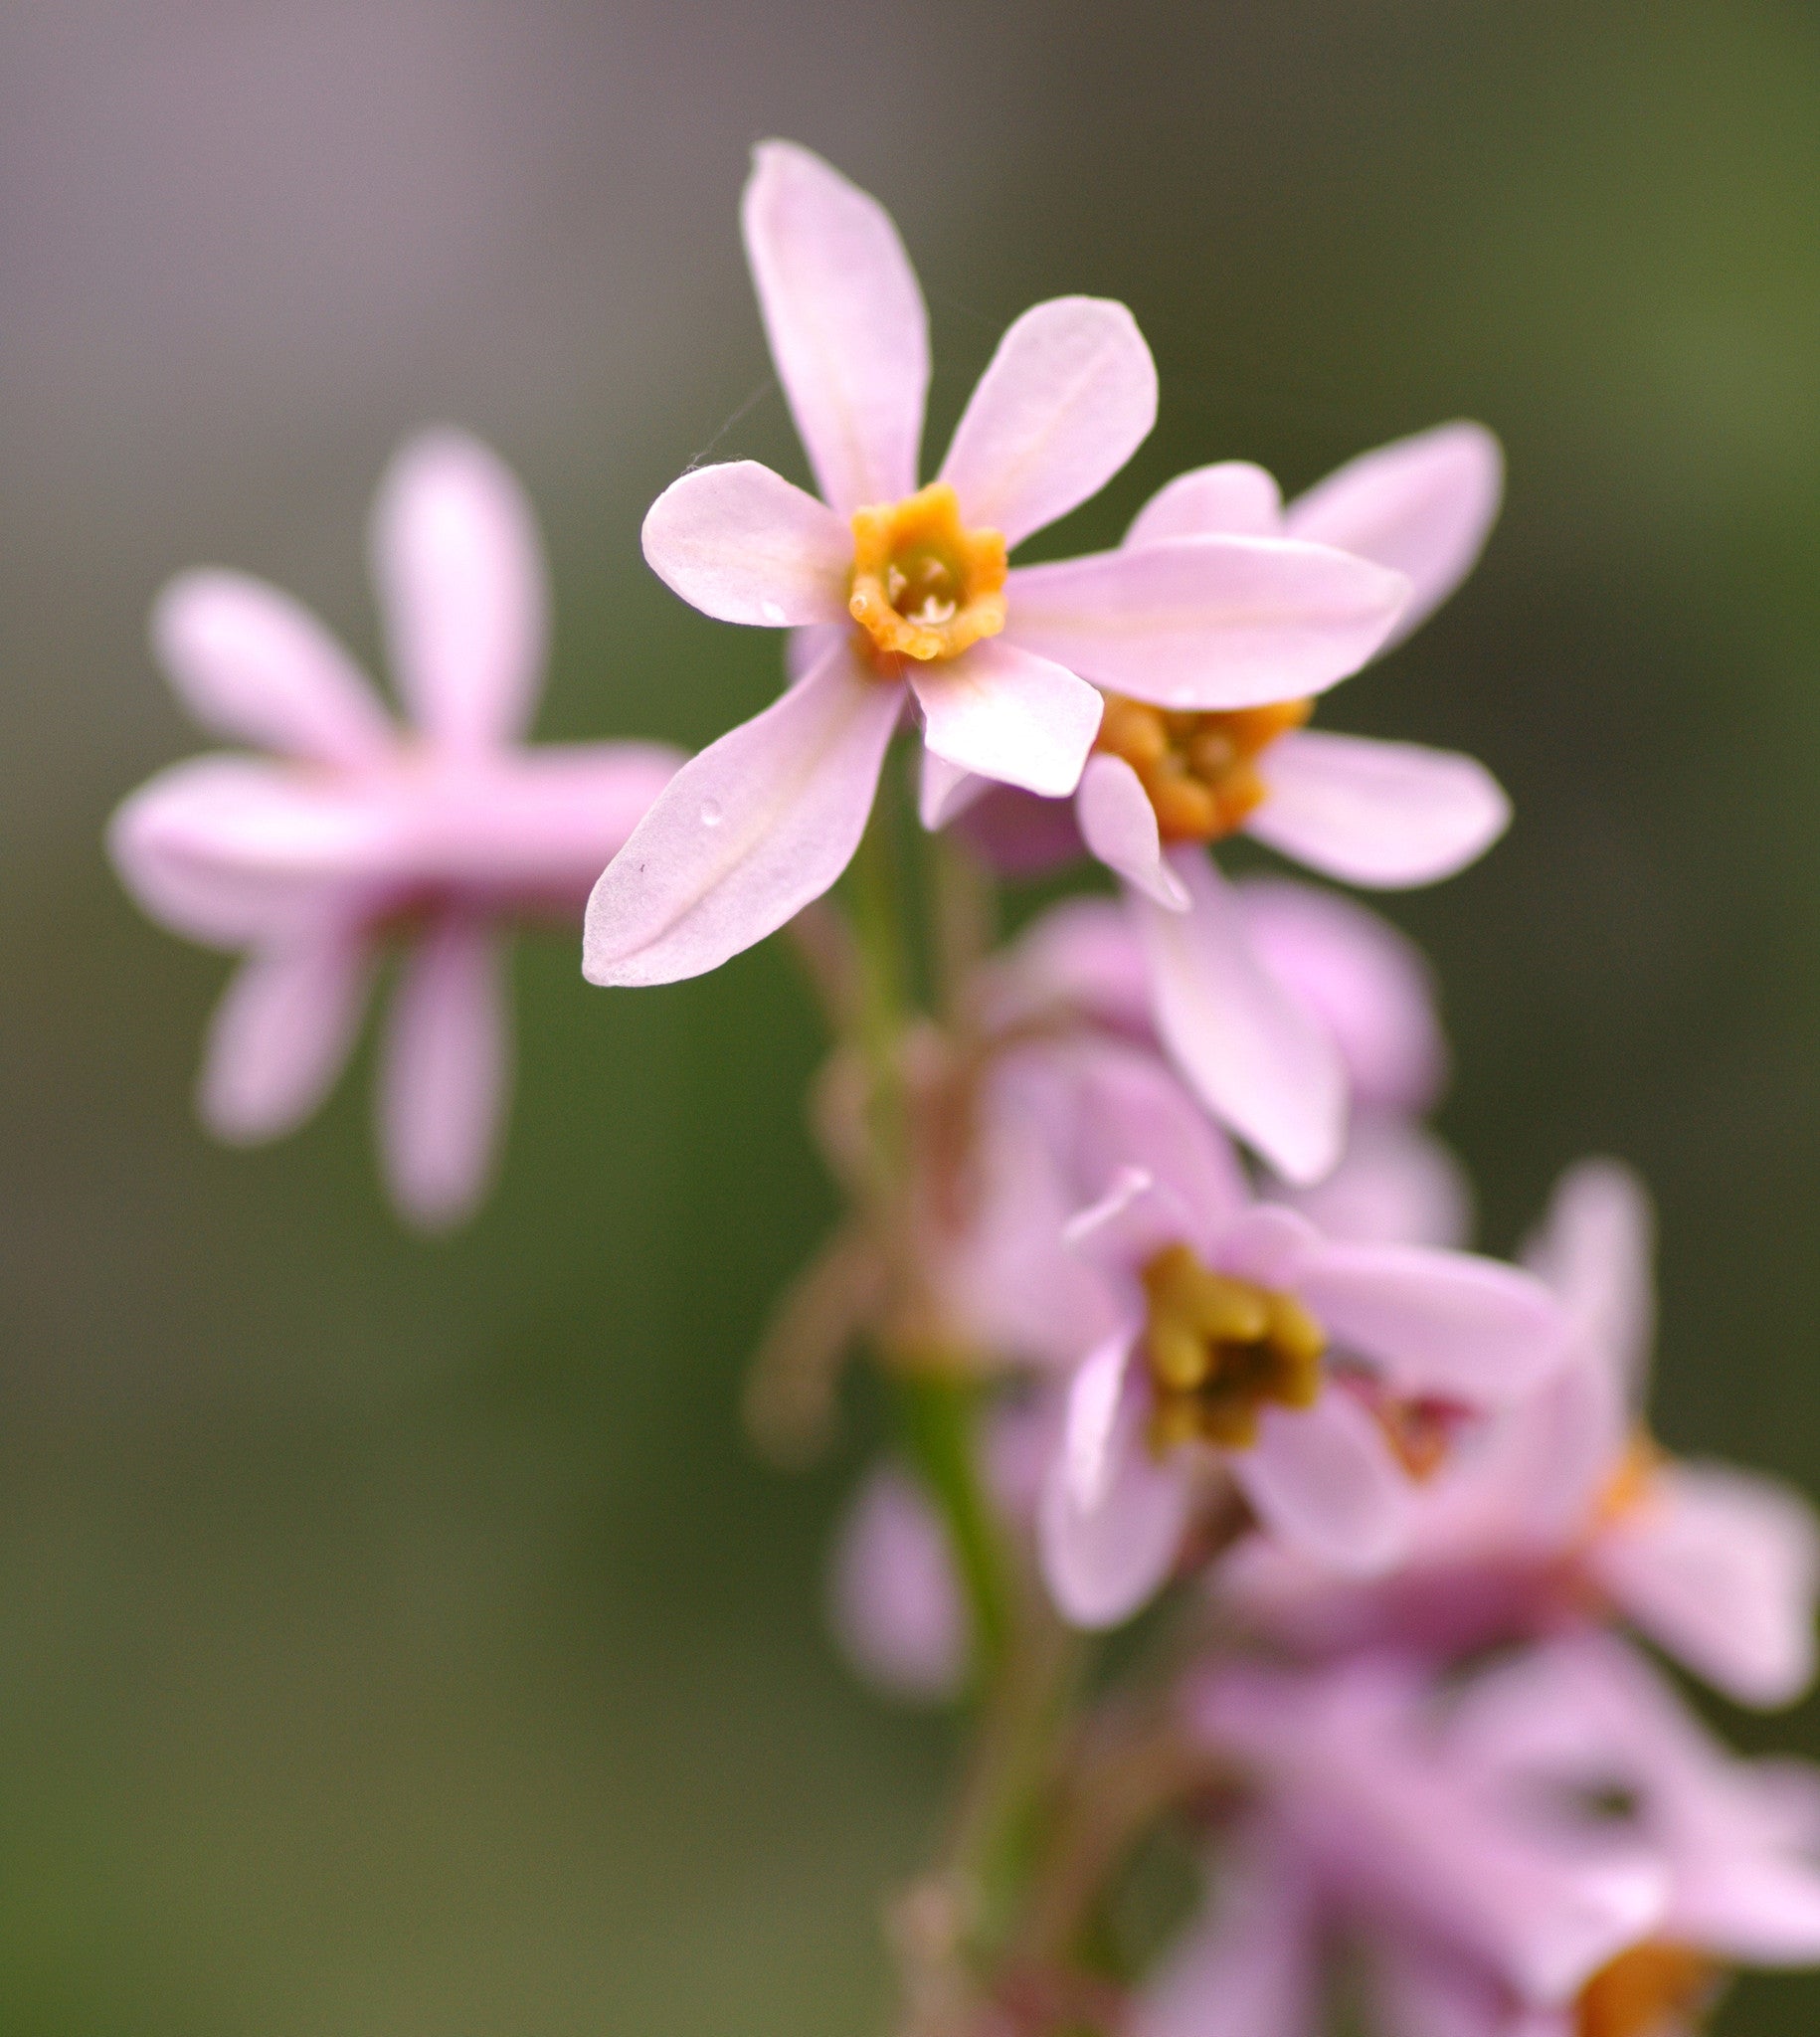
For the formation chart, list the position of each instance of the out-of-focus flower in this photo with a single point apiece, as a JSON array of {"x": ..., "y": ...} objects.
[
  {"x": 1593, "y": 1751},
  {"x": 356, "y": 831},
  {"x": 1164, "y": 782},
  {"x": 1562, "y": 1509},
  {"x": 1371, "y": 1821},
  {"x": 1248, "y": 1342},
  {"x": 907, "y": 595}
]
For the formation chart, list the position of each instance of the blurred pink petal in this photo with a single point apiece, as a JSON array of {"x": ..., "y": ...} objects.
[
  {"x": 746, "y": 834},
  {"x": 1111, "y": 1518},
  {"x": 892, "y": 1598},
  {"x": 1250, "y": 1051},
  {"x": 845, "y": 321},
  {"x": 1322, "y": 1480},
  {"x": 1211, "y": 622},
  {"x": 1395, "y": 1185},
  {"x": 458, "y": 565},
  {"x": 1230, "y": 499},
  {"x": 1367, "y": 983},
  {"x": 1381, "y": 813},
  {"x": 1129, "y": 1112},
  {"x": 743, "y": 544},
  {"x": 1445, "y": 1323},
  {"x": 280, "y": 1036},
  {"x": 444, "y": 1075},
  {"x": 1596, "y": 1250},
  {"x": 252, "y": 665},
  {"x": 945, "y": 791},
  {"x": 1065, "y": 401},
  {"x": 1009, "y": 715},
  {"x": 1119, "y": 825},
  {"x": 1423, "y": 506},
  {"x": 1720, "y": 1568}
]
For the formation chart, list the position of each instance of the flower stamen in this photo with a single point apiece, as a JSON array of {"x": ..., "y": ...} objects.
[
  {"x": 923, "y": 587},
  {"x": 1218, "y": 1348},
  {"x": 1198, "y": 768}
]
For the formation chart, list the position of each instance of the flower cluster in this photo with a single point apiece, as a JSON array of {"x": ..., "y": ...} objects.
[{"x": 1146, "y": 1228}]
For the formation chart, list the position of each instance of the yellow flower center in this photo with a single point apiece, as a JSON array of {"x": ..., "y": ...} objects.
[
  {"x": 1218, "y": 1348},
  {"x": 1652, "y": 1990},
  {"x": 923, "y": 587},
  {"x": 1199, "y": 769}
]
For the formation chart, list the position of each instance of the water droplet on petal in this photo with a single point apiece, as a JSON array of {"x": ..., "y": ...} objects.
[{"x": 712, "y": 814}]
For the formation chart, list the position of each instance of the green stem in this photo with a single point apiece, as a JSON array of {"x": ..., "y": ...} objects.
[{"x": 939, "y": 1416}]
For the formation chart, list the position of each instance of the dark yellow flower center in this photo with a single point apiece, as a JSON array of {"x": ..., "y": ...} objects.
[
  {"x": 1218, "y": 1348},
  {"x": 923, "y": 587},
  {"x": 1199, "y": 769},
  {"x": 1652, "y": 1990}
]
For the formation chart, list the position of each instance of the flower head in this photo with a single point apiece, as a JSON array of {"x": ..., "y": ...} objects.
[
  {"x": 356, "y": 832},
  {"x": 905, "y": 597}
]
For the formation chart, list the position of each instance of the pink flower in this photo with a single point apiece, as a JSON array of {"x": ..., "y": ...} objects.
[
  {"x": 356, "y": 830},
  {"x": 1371, "y": 1822},
  {"x": 1248, "y": 1343},
  {"x": 1561, "y": 1509},
  {"x": 907, "y": 595},
  {"x": 1162, "y": 785}
]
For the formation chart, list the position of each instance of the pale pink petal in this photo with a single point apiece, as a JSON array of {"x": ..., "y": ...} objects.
[
  {"x": 1322, "y": 1480},
  {"x": 1065, "y": 401},
  {"x": 1446, "y": 1323},
  {"x": 460, "y": 569},
  {"x": 1252, "y": 1969},
  {"x": 1111, "y": 1518},
  {"x": 444, "y": 1073},
  {"x": 1230, "y": 499},
  {"x": 743, "y": 544},
  {"x": 1419, "y": 1989},
  {"x": 1266, "y": 1244},
  {"x": 252, "y": 665},
  {"x": 944, "y": 790},
  {"x": 1082, "y": 955},
  {"x": 1008, "y": 715},
  {"x": 1119, "y": 825},
  {"x": 1395, "y": 1185},
  {"x": 1720, "y": 1568},
  {"x": 845, "y": 321},
  {"x": 279, "y": 1036},
  {"x": 1422, "y": 506},
  {"x": 1255, "y": 1059},
  {"x": 1367, "y": 983},
  {"x": 1596, "y": 1250},
  {"x": 805, "y": 648},
  {"x": 235, "y": 852},
  {"x": 1131, "y": 1222},
  {"x": 1206, "y": 622},
  {"x": 1386, "y": 815},
  {"x": 746, "y": 834},
  {"x": 893, "y": 1603}
]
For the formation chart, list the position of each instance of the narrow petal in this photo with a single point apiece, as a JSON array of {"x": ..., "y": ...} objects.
[
  {"x": 1395, "y": 1185},
  {"x": 1067, "y": 399},
  {"x": 1422, "y": 506},
  {"x": 1119, "y": 825},
  {"x": 1111, "y": 1518},
  {"x": 1387, "y": 814},
  {"x": 845, "y": 321},
  {"x": 1720, "y": 1568},
  {"x": 280, "y": 1036},
  {"x": 1597, "y": 1250},
  {"x": 747, "y": 832},
  {"x": 1252, "y": 1969},
  {"x": 742, "y": 543},
  {"x": 1258, "y": 1062},
  {"x": 1324, "y": 1480},
  {"x": 1230, "y": 499},
  {"x": 1206, "y": 622},
  {"x": 893, "y": 1602},
  {"x": 945, "y": 790},
  {"x": 1008, "y": 715},
  {"x": 252, "y": 665},
  {"x": 444, "y": 1074},
  {"x": 1448, "y": 1323},
  {"x": 461, "y": 574}
]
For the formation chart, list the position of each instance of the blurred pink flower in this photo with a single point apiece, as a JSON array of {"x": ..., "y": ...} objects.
[
  {"x": 357, "y": 829},
  {"x": 904, "y": 598},
  {"x": 1247, "y": 1341},
  {"x": 1370, "y": 1821},
  {"x": 1561, "y": 1509}
]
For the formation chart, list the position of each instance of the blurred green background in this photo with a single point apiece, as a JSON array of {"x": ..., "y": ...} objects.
[{"x": 397, "y": 1638}]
